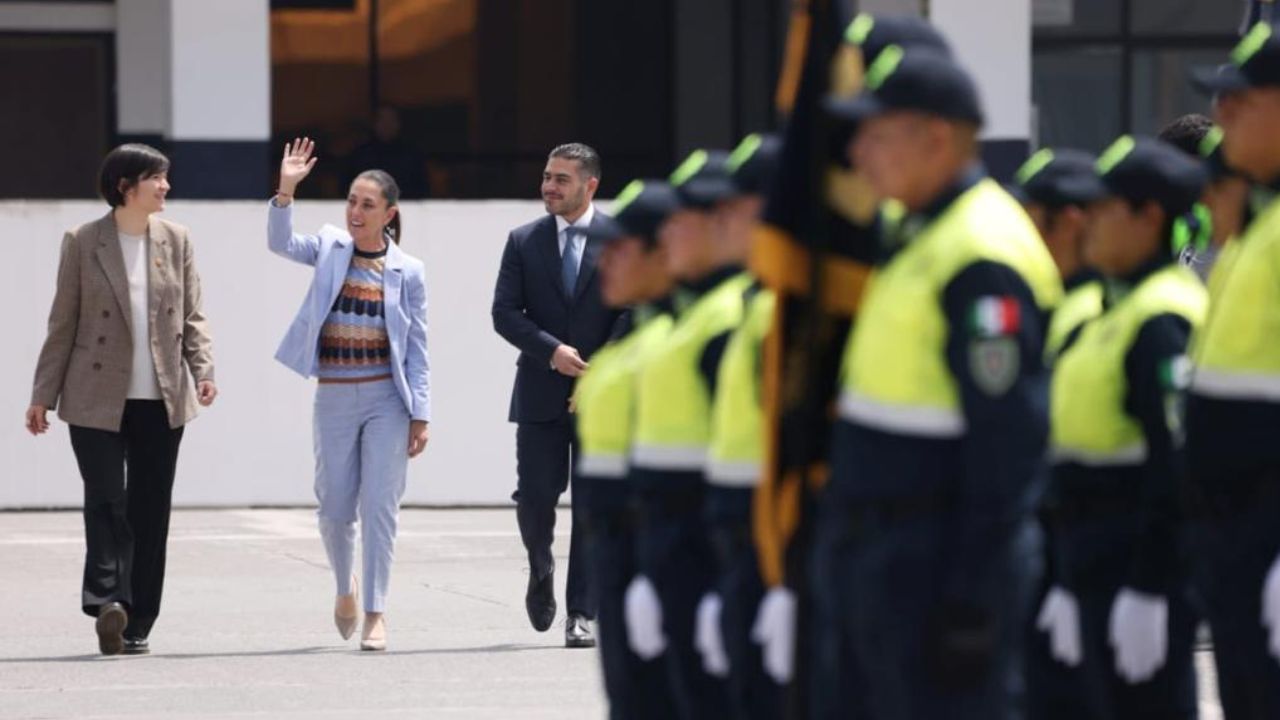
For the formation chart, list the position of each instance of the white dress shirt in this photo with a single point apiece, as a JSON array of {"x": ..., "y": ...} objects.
[
  {"x": 142, "y": 376},
  {"x": 579, "y": 239}
]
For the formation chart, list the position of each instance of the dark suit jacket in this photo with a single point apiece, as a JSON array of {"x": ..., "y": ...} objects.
[{"x": 532, "y": 312}]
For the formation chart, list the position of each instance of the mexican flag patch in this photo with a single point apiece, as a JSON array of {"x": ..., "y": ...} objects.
[{"x": 995, "y": 316}]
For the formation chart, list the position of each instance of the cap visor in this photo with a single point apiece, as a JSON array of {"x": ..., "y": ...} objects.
[
  {"x": 705, "y": 193},
  {"x": 1084, "y": 190},
  {"x": 1219, "y": 80},
  {"x": 855, "y": 109}
]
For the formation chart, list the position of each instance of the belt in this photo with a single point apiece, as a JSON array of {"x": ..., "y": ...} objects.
[{"x": 353, "y": 381}]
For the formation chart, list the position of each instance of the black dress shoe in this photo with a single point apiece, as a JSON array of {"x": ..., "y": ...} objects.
[
  {"x": 540, "y": 601},
  {"x": 577, "y": 633},
  {"x": 137, "y": 646},
  {"x": 112, "y": 620}
]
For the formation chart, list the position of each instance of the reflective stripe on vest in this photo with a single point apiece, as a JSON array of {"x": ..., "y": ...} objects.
[
  {"x": 895, "y": 374},
  {"x": 1088, "y": 420},
  {"x": 669, "y": 458},
  {"x": 1122, "y": 457},
  {"x": 919, "y": 421},
  {"x": 602, "y": 466},
  {"x": 740, "y": 474},
  {"x": 736, "y": 451},
  {"x": 673, "y": 405},
  {"x": 1237, "y": 352},
  {"x": 1235, "y": 386}
]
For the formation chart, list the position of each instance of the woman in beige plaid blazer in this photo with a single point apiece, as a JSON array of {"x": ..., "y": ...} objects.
[{"x": 125, "y": 331}]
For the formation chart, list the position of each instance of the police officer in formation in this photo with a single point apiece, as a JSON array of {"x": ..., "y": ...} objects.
[
  {"x": 672, "y": 431},
  {"x": 633, "y": 274},
  {"x": 1056, "y": 187},
  {"x": 1120, "y": 599},
  {"x": 1133, "y": 419},
  {"x": 1233, "y": 404},
  {"x": 735, "y": 455}
]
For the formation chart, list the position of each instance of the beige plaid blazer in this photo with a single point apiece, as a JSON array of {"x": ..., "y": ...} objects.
[{"x": 84, "y": 366}]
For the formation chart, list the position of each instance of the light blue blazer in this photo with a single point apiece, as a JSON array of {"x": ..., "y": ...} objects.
[{"x": 405, "y": 294}]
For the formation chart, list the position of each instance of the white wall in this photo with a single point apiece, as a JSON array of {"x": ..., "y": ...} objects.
[
  {"x": 992, "y": 39},
  {"x": 254, "y": 445},
  {"x": 221, "y": 73}
]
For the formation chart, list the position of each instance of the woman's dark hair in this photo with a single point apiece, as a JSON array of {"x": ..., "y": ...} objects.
[
  {"x": 124, "y": 167},
  {"x": 390, "y": 193}
]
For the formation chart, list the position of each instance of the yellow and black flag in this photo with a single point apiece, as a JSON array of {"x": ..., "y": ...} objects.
[{"x": 814, "y": 249}]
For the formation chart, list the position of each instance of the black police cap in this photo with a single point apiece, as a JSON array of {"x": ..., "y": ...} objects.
[
  {"x": 1058, "y": 178},
  {"x": 1255, "y": 62},
  {"x": 703, "y": 180},
  {"x": 1143, "y": 170},
  {"x": 914, "y": 80},
  {"x": 873, "y": 34},
  {"x": 638, "y": 211},
  {"x": 754, "y": 162}
]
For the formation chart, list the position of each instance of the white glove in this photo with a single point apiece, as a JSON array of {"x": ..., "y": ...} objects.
[
  {"x": 1139, "y": 632},
  {"x": 643, "y": 613},
  {"x": 1271, "y": 608},
  {"x": 775, "y": 631},
  {"x": 1060, "y": 617},
  {"x": 707, "y": 637}
]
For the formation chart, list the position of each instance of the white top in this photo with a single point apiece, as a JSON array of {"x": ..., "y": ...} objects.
[
  {"x": 142, "y": 377},
  {"x": 582, "y": 223}
]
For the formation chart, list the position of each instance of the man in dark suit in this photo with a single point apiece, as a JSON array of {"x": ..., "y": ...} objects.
[{"x": 547, "y": 303}]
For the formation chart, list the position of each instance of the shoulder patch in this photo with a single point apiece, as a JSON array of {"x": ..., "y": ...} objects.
[{"x": 994, "y": 364}]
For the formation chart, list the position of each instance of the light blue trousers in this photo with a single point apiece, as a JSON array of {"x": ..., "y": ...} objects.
[{"x": 362, "y": 446}]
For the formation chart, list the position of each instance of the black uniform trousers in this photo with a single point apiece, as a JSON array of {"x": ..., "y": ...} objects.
[
  {"x": 752, "y": 692},
  {"x": 545, "y": 453},
  {"x": 128, "y": 490},
  {"x": 637, "y": 689},
  {"x": 1096, "y": 550},
  {"x": 675, "y": 553},
  {"x": 1235, "y": 541}
]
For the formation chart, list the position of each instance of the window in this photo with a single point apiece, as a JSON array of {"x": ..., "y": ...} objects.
[
  {"x": 1105, "y": 67},
  {"x": 59, "y": 137}
]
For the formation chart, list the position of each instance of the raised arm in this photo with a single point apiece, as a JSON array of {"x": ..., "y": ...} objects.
[{"x": 294, "y": 167}]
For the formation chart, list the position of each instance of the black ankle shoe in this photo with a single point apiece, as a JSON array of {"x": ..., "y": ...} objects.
[
  {"x": 136, "y": 646},
  {"x": 540, "y": 601},
  {"x": 112, "y": 620}
]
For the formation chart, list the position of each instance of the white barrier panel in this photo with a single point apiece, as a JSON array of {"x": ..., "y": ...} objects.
[{"x": 254, "y": 445}]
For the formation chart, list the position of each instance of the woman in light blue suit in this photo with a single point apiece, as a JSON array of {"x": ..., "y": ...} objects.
[{"x": 362, "y": 330}]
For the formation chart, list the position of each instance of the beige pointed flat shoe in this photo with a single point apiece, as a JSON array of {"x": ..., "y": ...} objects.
[
  {"x": 374, "y": 637},
  {"x": 346, "y": 611}
]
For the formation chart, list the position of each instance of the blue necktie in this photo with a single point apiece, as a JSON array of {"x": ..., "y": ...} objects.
[{"x": 569, "y": 261}]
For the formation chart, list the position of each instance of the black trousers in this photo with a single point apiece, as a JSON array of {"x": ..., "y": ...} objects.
[
  {"x": 545, "y": 453},
  {"x": 128, "y": 490},
  {"x": 637, "y": 689}
]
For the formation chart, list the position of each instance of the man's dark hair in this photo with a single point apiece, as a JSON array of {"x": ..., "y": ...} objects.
[
  {"x": 124, "y": 167},
  {"x": 588, "y": 159},
  {"x": 1186, "y": 132}
]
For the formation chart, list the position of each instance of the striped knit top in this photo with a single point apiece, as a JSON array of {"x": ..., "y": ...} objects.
[{"x": 353, "y": 341}]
